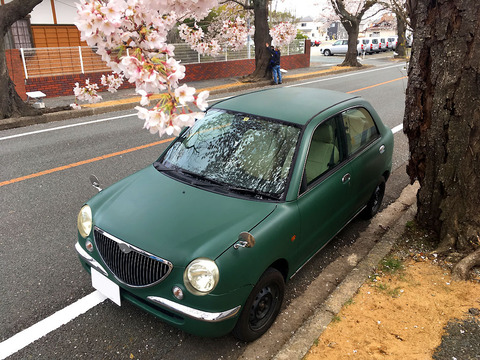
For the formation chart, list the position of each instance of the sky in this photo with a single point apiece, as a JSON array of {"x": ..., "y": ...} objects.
[{"x": 300, "y": 8}]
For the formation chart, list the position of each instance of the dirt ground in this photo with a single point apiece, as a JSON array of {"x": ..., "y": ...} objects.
[{"x": 401, "y": 312}]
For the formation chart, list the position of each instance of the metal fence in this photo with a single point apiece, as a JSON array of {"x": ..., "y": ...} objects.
[{"x": 38, "y": 62}]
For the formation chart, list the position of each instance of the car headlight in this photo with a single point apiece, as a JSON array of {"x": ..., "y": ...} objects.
[
  {"x": 201, "y": 276},
  {"x": 84, "y": 221}
]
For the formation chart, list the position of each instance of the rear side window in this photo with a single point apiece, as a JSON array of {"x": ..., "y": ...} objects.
[
  {"x": 325, "y": 152},
  {"x": 360, "y": 129}
]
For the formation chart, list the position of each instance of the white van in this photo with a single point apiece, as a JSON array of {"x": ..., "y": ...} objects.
[
  {"x": 370, "y": 45},
  {"x": 392, "y": 42}
]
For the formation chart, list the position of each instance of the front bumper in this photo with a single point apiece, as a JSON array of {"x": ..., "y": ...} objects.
[
  {"x": 194, "y": 313},
  {"x": 192, "y": 320}
]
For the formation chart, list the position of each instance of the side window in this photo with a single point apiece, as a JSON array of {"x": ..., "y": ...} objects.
[
  {"x": 345, "y": 42},
  {"x": 360, "y": 129},
  {"x": 324, "y": 152}
]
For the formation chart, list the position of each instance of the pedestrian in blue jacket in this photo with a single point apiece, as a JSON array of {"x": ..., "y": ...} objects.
[{"x": 275, "y": 63}]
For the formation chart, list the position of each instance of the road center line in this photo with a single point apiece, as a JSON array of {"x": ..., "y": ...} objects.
[
  {"x": 375, "y": 85},
  {"x": 88, "y": 161},
  {"x": 81, "y": 306},
  {"x": 69, "y": 166}
]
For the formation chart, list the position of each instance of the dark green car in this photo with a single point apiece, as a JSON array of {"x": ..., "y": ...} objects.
[{"x": 206, "y": 237}]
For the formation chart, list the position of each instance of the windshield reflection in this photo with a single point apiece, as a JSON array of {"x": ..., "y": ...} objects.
[{"x": 239, "y": 151}]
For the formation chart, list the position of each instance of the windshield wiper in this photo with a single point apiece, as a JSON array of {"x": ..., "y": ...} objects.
[
  {"x": 161, "y": 167},
  {"x": 201, "y": 177},
  {"x": 253, "y": 192}
]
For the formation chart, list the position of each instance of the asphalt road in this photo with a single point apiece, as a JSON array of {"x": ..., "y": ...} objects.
[{"x": 40, "y": 273}]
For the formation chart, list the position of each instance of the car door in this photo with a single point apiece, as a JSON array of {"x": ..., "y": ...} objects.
[
  {"x": 343, "y": 48},
  {"x": 364, "y": 153},
  {"x": 324, "y": 202},
  {"x": 336, "y": 46}
]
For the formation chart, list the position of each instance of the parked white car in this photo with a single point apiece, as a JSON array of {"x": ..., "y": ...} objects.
[{"x": 338, "y": 47}]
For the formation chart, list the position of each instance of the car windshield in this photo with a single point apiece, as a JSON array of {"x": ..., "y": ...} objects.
[{"x": 242, "y": 153}]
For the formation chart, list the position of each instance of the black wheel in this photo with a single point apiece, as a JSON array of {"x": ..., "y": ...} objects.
[
  {"x": 327, "y": 52},
  {"x": 262, "y": 306},
  {"x": 375, "y": 201}
]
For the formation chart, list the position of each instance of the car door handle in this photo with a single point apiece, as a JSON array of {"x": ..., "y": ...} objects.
[
  {"x": 346, "y": 178},
  {"x": 381, "y": 149}
]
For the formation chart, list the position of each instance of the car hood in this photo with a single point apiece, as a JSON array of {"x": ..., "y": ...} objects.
[{"x": 173, "y": 220}]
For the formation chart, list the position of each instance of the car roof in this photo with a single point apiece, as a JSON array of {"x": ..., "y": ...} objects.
[{"x": 292, "y": 104}]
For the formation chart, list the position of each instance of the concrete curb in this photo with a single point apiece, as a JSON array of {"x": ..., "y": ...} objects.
[{"x": 400, "y": 212}]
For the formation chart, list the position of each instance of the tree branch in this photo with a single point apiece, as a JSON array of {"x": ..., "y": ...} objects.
[{"x": 13, "y": 11}]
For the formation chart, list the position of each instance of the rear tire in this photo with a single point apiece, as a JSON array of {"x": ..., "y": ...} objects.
[
  {"x": 375, "y": 202},
  {"x": 262, "y": 306}
]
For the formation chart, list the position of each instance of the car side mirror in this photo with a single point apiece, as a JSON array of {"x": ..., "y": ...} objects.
[
  {"x": 245, "y": 240},
  {"x": 95, "y": 182}
]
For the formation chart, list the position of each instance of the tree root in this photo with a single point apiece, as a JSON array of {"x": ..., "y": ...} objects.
[{"x": 461, "y": 270}]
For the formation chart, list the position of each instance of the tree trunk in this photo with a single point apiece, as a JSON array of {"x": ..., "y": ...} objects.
[
  {"x": 260, "y": 38},
  {"x": 401, "y": 48},
  {"x": 442, "y": 119},
  {"x": 10, "y": 102},
  {"x": 352, "y": 27}
]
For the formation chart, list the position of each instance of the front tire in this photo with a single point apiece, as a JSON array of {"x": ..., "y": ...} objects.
[
  {"x": 262, "y": 306},
  {"x": 373, "y": 205},
  {"x": 327, "y": 52}
]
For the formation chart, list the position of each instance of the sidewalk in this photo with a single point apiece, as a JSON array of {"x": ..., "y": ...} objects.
[{"x": 128, "y": 99}]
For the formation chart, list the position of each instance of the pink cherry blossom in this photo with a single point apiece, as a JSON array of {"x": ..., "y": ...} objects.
[
  {"x": 201, "y": 100},
  {"x": 283, "y": 34},
  {"x": 185, "y": 94}
]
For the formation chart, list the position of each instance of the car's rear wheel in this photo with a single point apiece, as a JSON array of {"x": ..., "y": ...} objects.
[
  {"x": 373, "y": 205},
  {"x": 327, "y": 52},
  {"x": 262, "y": 306}
]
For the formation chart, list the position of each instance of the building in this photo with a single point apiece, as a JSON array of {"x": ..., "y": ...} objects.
[
  {"x": 310, "y": 28},
  {"x": 385, "y": 26},
  {"x": 336, "y": 31},
  {"x": 50, "y": 24}
]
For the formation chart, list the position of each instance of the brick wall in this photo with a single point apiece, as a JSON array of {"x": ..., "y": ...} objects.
[
  {"x": 62, "y": 85},
  {"x": 15, "y": 70}
]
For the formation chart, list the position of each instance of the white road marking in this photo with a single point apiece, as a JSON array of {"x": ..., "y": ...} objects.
[
  {"x": 65, "y": 127},
  {"x": 62, "y": 317},
  {"x": 218, "y": 99},
  {"x": 397, "y": 128},
  {"x": 81, "y": 306},
  {"x": 53, "y": 322},
  {"x": 343, "y": 76}
]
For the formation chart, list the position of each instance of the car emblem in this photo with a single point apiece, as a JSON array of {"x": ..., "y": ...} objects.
[{"x": 125, "y": 248}]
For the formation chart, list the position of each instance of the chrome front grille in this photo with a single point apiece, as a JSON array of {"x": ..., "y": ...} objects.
[{"x": 131, "y": 265}]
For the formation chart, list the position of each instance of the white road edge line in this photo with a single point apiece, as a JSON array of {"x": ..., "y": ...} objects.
[
  {"x": 397, "y": 128},
  {"x": 49, "y": 324},
  {"x": 62, "y": 317},
  {"x": 219, "y": 99},
  {"x": 65, "y": 127},
  {"x": 354, "y": 73}
]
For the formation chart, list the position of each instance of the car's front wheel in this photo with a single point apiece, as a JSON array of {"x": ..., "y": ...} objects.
[
  {"x": 327, "y": 52},
  {"x": 375, "y": 201},
  {"x": 262, "y": 306}
]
